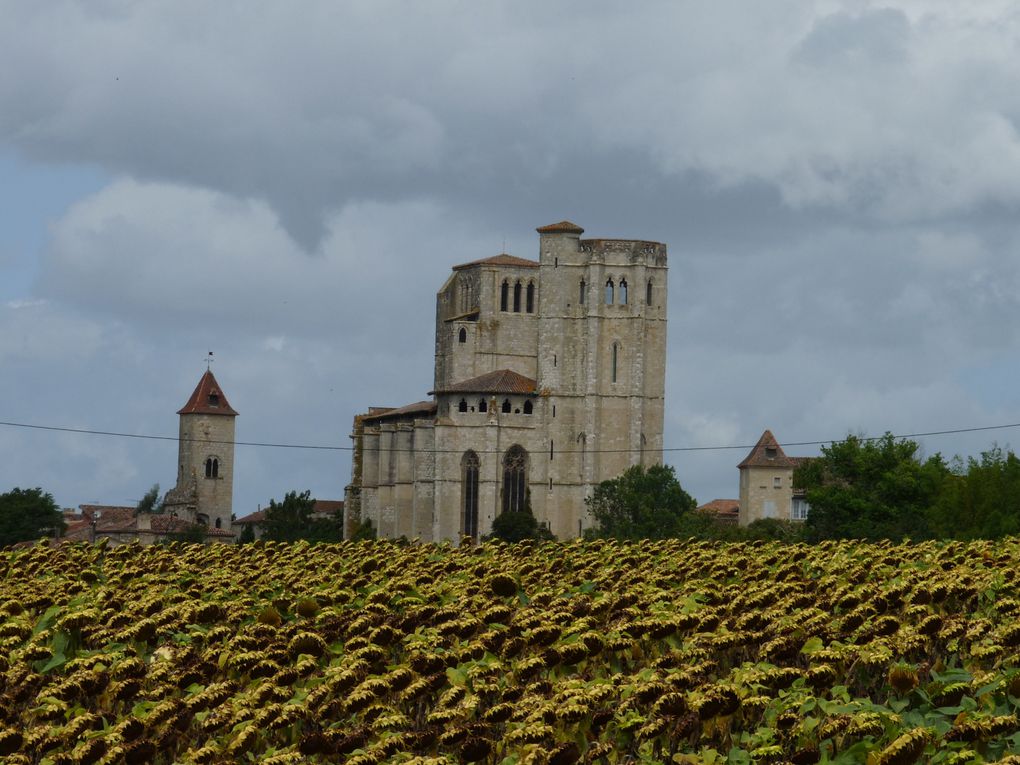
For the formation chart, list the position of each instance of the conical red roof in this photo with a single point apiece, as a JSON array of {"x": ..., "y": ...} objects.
[
  {"x": 208, "y": 398},
  {"x": 768, "y": 453}
]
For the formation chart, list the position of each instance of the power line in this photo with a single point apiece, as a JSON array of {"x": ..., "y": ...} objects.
[{"x": 320, "y": 447}]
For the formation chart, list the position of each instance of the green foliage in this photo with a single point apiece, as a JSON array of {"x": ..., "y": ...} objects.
[
  {"x": 871, "y": 489},
  {"x": 28, "y": 514},
  {"x": 981, "y": 501},
  {"x": 774, "y": 530},
  {"x": 516, "y": 526},
  {"x": 247, "y": 534},
  {"x": 151, "y": 502},
  {"x": 293, "y": 519},
  {"x": 644, "y": 504},
  {"x": 364, "y": 531},
  {"x": 193, "y": 534}
]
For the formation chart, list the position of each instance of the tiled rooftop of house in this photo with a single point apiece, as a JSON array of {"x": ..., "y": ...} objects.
[{"x": 500, "y": 381}]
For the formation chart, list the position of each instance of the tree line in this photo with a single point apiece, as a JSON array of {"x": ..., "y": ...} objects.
[{"x": 859, "y": 488}]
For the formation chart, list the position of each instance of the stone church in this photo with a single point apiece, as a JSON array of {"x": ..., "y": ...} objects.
[{"x": 549, "y": 378}]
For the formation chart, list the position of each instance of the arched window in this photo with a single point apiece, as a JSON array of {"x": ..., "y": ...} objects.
[
  {"x": 581, "y": 292},
  {"x": 529, "y": 302},
  {"x": 214, "y": 399},
  {"x": 528, "y": 407},
  {"x": 517, "y": 297},
  {"x": 482, "y": 405},
  {"x": 616, "y": 353},
  {"x": 219, "y": 523},
  {"x": 506, "y": 406},
  {"x": 623, "y": 292},
  {"x": 462, "y": 335},
  {"x": 515, "y": 480},
  {"x": 504, "y": 296},
  {"x": 462, "y": 406},
  {"x": 648, "y": 293},
  {"x": 212, "y": 467},
  {"x": 469, "y": 492},
  {"x": 609, "y": 292}
]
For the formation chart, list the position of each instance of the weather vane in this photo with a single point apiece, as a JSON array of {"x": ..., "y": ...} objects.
[{"x": 208, "y": 361}]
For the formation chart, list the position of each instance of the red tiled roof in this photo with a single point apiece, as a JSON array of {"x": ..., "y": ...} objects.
[
  {"x": 328, "y": 506},
  {"x": 758, "y": 457},
  {"x": 500, "y": 260},
  {"x": 563, "y": 227},
  {"x": 725, "y": 510},
  {"x": 208, "y": 398},
  {"x": 419, "y": 407},
  {"x": 108, "y": 516},
  {"x": 322, "y": 507},
  {"x": 500, "y": 381},
  {"x": 722, "y": 506},
  {"x": 117, "y": 519},
  {"x": 257, "y": 517}
]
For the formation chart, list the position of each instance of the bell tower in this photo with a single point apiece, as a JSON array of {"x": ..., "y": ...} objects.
[{"x": 205, "y": 462}]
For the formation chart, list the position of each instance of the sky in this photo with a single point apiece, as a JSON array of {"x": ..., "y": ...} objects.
[{"x": 288, "y": 184}]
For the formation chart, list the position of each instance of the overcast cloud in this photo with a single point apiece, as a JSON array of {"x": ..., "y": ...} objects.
[{"x": 288, "y": 185}]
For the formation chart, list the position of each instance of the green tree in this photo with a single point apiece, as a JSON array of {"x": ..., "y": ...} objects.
[
  {"x": 980, "y": 500},
  {"x": 364, "y": 531},
  {"x": 870, "y": 489},
  {"x": 644, "y": 503},
  {"x": 193, "y": 534},
  {"x": 247, "y": 534},
  {"x": 27, "y": 514},
  {"x": 517, "y": 525},
  {"x": 293, "y": 519},
  {"x": 150, "y": 503}
]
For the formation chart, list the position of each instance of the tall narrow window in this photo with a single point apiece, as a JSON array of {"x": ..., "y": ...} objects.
[
  {"x": 528, "y": 407},
  {"x": 609, "y": 292},
  {"x": 616, "y": 352},
  {"x": 462, "y": 335},
  {"x": 212, "y": 468},
  {"x": 517, "y": 297},
  {"x": 504, "y": 296},
  {"x": 623, "y": 292},
  {"x": 515, "y": 480},
  {"x": 469, "y": 490},
  {"x": 482, "y": 405},
  {"x": 530, "y": 298},
  {"x": 648, "y": 292},
  {"x": 462, "y": 406},
  {"x": 219, "y": 523},
  {"x": 583, "y": 288},
  {"x": 551, "y": 452},
  {"x": 506, "y": 406}
]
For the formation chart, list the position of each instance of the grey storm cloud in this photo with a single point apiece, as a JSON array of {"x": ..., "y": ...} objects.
[{"x": 838, "y": 184}]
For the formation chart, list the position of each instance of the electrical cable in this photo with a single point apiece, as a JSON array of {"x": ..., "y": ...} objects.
[{"x": 319, "y": 447}]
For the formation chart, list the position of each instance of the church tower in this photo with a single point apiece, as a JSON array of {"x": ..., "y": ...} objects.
[{"x": 205, "y": 464}]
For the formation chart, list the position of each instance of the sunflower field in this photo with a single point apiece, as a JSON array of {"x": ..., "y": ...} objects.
[{"x": 593, "y": 652}]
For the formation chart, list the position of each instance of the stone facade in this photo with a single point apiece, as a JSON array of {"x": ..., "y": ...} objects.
[
  {"x": 766, "y": 484},
  {"x": 204, "y": 492},
  {"x": 549, "y": 378}
]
